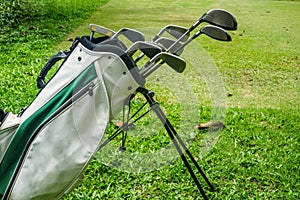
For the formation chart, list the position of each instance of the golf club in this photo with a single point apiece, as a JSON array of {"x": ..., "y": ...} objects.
[
  {"x": 174, "y": 30},
  {"x": 217, "y": 17},
  {"x": 167, "y": 43},
  {"x": 130, "y": 34},
  {"x": 221, "y": 18},
  {"x": 101, "y": 30},
  {"x": 148, "y": 49},
  {"x": 212, "y": 31},
  {"x": 175, "y": 62}
]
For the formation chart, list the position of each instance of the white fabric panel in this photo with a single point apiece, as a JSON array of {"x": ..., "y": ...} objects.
[
  {"x": 118, "y": 80},
  {"x": 63, "y": 148},
  {"x": 7, "y": 130},
  {"x": 68, "y": 72},
  {"x": 61, "y": 151}
]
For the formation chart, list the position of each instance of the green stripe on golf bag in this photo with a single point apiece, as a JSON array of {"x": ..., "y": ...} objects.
[{"x": 26, "y": 132}]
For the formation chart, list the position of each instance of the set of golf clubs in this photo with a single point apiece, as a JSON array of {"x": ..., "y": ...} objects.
[{"x": 166, "y": 50}]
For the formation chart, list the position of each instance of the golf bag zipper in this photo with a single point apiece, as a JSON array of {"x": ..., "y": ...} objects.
[{"x": 87, "y": 90}]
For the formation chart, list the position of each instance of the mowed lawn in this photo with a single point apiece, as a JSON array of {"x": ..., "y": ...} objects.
[{"x": 256, "y": 155}]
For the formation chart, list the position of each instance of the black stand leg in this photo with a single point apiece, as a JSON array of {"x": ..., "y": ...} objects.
[{"x": 176, "y": 140}]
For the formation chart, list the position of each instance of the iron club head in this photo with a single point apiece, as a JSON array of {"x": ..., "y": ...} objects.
[
  {"x": 173, "y": 30},
  {"x": 167, "y": 43},
  {"x": 130, "y": 34},
  {"x": 149, "y": 49},
  {"x": 175, "y": 62}
]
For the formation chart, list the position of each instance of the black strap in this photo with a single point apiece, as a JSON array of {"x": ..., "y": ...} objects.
[
  {"x": 41, "y": 78},
  {"x": 102, "y": 44},
  {"x": 2, "y": 115}
]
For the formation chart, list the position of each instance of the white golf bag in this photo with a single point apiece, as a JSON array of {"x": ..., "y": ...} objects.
[{"x": 45, "y": 149}]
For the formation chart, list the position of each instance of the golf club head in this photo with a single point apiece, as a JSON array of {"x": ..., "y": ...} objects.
[
  {"x": 175, "y": 62},
  {"x": 173, "y": 30},
  {"x": 167, "y": 43},
  {"x": 221, "y": 18},
  {"x": 177, "y": 32},
  {"x": 215, "y": 32},
  {"x": 101, "y": 30},
  {"x": 149, "y": 49},
  {"x": 130, "y": 34}
]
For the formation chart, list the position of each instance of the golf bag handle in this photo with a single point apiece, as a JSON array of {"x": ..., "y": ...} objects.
[{"x": 41, "y": 78}]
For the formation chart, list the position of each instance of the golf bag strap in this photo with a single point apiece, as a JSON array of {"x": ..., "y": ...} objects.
[
  {"x": 2, "y": 116},
  {"x": 41, "y": 78}
]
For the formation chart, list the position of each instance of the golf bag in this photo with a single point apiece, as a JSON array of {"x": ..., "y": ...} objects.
[{"x": 45, "y": 149}]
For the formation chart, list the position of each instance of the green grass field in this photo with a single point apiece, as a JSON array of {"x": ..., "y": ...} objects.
[{"x": 257, "y": 155}]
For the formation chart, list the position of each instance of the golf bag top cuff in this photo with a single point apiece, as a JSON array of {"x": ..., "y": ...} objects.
[
  {"x": 118, "y": 51},
  {"x": 108, "y": 48}
]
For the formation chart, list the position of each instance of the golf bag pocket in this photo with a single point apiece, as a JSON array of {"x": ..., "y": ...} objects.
[{"x": 63, "y": 127}]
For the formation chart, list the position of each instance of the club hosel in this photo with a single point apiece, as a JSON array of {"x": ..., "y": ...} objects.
[
  {"x": 196, "y": 35},
  {"x": 156, "y": 37},
  {"x": 195, "y": 25},
  {"x": 188, "y": 31},
  {"x": 92, "y": 35},
  {"x": 186, "y": 43},
  {"x": 148, "y": 65}
]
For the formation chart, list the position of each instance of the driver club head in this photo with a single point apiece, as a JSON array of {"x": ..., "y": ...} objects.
[
  {"x": 175, "y": 62},
  {"x": 221, "y": 18},
  {"x": 215, "y": 32}
]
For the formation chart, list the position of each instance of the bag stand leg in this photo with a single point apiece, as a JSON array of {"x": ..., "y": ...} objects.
[{"x": 176, "y": 139}]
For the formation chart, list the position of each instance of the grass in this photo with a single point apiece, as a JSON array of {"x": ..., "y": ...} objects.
[
  {"x": 26, "y": 46},
  {"x": 257, "y": 154}
]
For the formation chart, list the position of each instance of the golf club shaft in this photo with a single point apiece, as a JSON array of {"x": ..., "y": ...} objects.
[
  {"x": 92, "y": 35},
  {"x": 172, "y": 30},
  {"x": 186, "y": 33},
  {"x": 146, "y": 72},
  {"x": 153, "y": 40},
  {"x": 152, "y": 67},
  {"x": 142, "y": 54},
  {"x": 188, "y": 41}
]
